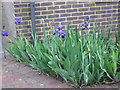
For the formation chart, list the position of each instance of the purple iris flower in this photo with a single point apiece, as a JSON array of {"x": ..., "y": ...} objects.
[
  {"x": 17, "y": 21},
  {"x": 54, "y": 33},
  {"x": 58, "y": 26},
  {"x": 7, "y": 33},
  {"x": 83, "y": 28},
  {"x": 57, "y": 30},
  {"x": 50, "y": 21},
  {"x": 4, "y": 33},
  {"x": 3, "y": 27},
  {"x": 87, "y": 18},
  {"x": 62, "y": 34},
  {"x": 86, "y": 23}
]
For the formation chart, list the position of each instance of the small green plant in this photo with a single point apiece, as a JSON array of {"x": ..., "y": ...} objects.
[{"x": 86, "y": 59}]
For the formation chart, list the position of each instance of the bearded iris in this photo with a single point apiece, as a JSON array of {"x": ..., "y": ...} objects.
[
  {"x": 4, "y": 33},
  {"x": 62, "y": 34},
  {"x": 59, "y": 26},
  {"x": 17, "y": 21},
  {"x": 3, "y": 27},
  {"x": 86, "y": 23},
  {"x": 59, "y": 31}
]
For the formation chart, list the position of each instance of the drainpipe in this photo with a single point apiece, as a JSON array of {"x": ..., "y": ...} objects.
[{"x": 32, "y": 12}]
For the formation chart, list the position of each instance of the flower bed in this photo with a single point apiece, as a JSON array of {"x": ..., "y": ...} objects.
[{"x": 84, "y": 58}]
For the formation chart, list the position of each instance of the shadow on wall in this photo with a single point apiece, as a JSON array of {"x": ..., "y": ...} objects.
[
  {"x": 1, "y": 52},
  {"x": 8, "y": 20}
]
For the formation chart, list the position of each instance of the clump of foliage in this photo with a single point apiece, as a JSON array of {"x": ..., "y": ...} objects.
[{"x": 86, "y": 59}]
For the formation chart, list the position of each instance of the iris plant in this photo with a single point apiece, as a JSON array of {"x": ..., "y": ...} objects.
[
  {"x": 17, "y": 21},
  {"x": 3, "y": 27},
  {"x": 86, "y": 23},
  {"x": 59, "y": 31},
  {"x": 4, "y": 33}
]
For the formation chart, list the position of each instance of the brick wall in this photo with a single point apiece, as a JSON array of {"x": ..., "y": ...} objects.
[{"x": 103, "y": 13}]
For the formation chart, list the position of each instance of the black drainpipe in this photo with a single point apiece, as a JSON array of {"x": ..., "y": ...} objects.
[{"x": 32, "y": 12}]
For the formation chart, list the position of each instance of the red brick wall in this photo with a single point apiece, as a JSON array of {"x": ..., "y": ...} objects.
[{"x": 103, "y": 13}]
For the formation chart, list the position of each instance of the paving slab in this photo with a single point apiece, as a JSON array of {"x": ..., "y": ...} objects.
[{"x": 16, "y": 75}]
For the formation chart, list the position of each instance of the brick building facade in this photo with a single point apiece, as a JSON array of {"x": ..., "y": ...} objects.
[{"x": 64, "y": 12}]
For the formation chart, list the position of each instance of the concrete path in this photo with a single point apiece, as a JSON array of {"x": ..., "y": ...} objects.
[{"x": 15, "y": 75}]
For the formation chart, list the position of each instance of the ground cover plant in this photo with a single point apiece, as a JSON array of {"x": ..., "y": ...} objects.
[{"x": 82, "y": 58}]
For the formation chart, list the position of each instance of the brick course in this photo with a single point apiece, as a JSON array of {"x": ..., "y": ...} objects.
[{"x": 64, "y": 12}]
